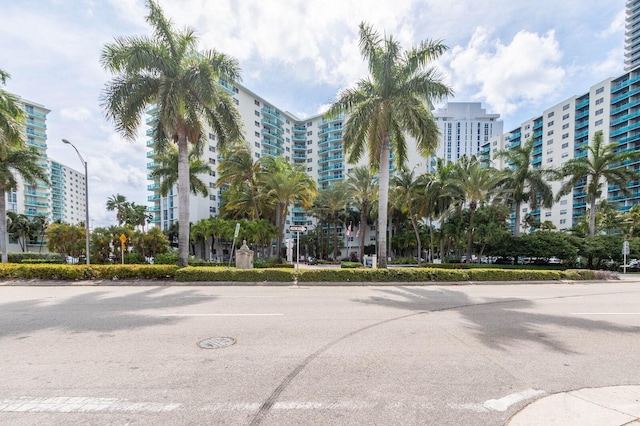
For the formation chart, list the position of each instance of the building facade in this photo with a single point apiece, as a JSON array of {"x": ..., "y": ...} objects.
[
  {"x": 632, "y": 36},
  {"x": 464, "y": 128}
]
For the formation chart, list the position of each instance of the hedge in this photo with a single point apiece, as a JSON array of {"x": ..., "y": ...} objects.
[
  {"x": 224, "y": 274},
  {"x": 85, "y": 272},
  {"x": 204, "y": 273},
  {"x": 19, "y": 257}
]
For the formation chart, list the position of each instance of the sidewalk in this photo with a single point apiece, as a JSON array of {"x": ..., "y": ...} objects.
[{"x": 608, "y": 406}]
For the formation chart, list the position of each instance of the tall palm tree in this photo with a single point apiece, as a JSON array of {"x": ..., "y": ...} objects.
[
  {"x": 362, "y": 186},
  {"x": 395, "y": 99},
  {"x": 440, "y": 196},
  {"x": 166, "y": 71},
  {"x": 412, "y": 196},
  {"x": 166, "y": 170},
  {"x": 473, "y": 186},
  {"x": 523, "y": 183},
  {"x": 238, "y": 169},
  {"x": 284, "y": 184},
  {"x": 119, "y": 203},
  {"x": 333, "y": 201},
  {"x": 15, "y": 159},
  {"x": 603, "y": 163}
]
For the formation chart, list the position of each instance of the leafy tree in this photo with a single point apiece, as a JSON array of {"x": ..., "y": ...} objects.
[
  {"x": 238, "y": 171},
  {"x": 183, "y": 84},
  {"x": 395, "y": 99},
  {"x": 362, "y": 186},
  {"x": 333, "y": 202},
  {"x": 20, "y": 228},
  {"x": 284, "y": 184},
  {"x": 166, "y": 169},
  {"x": 523, "y": 183},
  {"x": 15, "y": 159},
  {"x": 412, "y": 195},
  {"x": 68, "y": 240},
  {"x": 100, "y": 245},
  {"x": 603, "y": 163},
  {"x": 119, "y": 203}
]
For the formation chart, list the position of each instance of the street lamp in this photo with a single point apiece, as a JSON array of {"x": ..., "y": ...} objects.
[{"x": 86, "y": 197}]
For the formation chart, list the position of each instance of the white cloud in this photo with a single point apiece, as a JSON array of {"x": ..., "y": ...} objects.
[
  {"x": 616, "y": 27},
  {"x": 507, "y": 76},
  {"x": 76, "y": 114}
]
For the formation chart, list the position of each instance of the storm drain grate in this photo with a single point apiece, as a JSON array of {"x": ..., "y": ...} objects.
[{"x": 216, "y": 342}]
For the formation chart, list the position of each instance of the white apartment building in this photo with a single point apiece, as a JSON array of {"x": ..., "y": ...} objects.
[
  {"x": 464, "y": 128},
  {"x": 68, "y": 194},
  {"x": 632, "y": 35},
  {"x": 565, "y": 130}
]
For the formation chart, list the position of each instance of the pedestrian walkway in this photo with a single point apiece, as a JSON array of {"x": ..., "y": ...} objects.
[{"x": 607, "y": 406}]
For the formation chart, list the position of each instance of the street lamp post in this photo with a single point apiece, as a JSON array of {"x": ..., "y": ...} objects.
[{"x": 86, "y": 198}]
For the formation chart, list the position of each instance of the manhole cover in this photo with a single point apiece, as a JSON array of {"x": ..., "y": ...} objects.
[{"x": 216, "y": 342}]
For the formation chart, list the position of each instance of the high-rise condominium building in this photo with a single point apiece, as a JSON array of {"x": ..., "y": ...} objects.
[
  {"x": 564, "y": 131},
  {"x": 632, "y": 36},
  {"x": 464, "y": 128},
  {"x": 63, "y": 199}
]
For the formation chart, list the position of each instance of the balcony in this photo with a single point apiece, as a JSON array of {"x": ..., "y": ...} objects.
[
  {"x": 36, "y": 134},
  {"x": 333, "y": 129},
  {"x": 299, "y": 129},
  {"x": 272, "y": 123},
  {"x": 32, "y": 112},
  {"x": 153, "y": 187},
  {"x": 299, "y": 138},
  {"x": 330, "y": 158},
  {"x": 582, "y": 104},
  {"x": 151, "y": 154},
  {"x": 34, "y": 123},
  {"x": 272, "y": 113},
  {"x": 330, "y": 148},
  {"x": 272, "y": 134},
  {"x": 625, "y": 95},
  {"x": 273, "y": 144},
  {"x": 154, "y": 197}
]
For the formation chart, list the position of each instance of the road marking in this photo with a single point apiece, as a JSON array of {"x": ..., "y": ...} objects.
[
  {"x": 291, "y": 405},
  {"x": 505, "y": 402},
  {"x": 222, "y": 315},
  {"x": 605, "y": 313},
  {"x": 80, "y": 405}
]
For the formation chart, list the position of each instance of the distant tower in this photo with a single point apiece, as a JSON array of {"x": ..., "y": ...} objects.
[
  {"x": 464, "y": 128},
  {"x": 632, "y": 36}
]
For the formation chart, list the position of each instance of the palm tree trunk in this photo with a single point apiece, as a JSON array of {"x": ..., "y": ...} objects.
[
  {"x": 4, "y": 238},
  {"x": 516, "y": 226},
  {"x": 472, "y": 214},
  {"x": 383, "y": 201},
  {"x": 415, "y": 230},
  {"x": 430, "y": 241},
  {"x": 183, "y": 200},
  {"x": 592, "y": 217},
  {"x": 280, "y": 224},
  {"x": 363, "y": 222}
]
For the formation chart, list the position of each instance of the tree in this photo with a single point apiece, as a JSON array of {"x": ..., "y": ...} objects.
[
  {"x": 603, "y": 163},
  {"x": 15, "y": 159},
  {"x": 523, "y": 183},
  {"x": 411, "y": 194},
  {"x": 440, "y": 196},
  {"x": 238, "y": 170},
  {"x": 183, "y": 84},
  {"x": 166, "y": 170},
  {"x": 395, "y": 99},
  {"x": 362, "y": 185},
  {"x": 68, "y": 240},
  {"x": 20, "y": 228},
  {"x": 473, "y": 185},
  {"x": 285, "y": 184},
  {"x": 119, "y": 203},
  {"x": 333, "y": 202}
]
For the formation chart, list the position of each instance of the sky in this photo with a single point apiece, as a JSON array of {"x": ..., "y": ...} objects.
[{"x": 516, "y": 57}]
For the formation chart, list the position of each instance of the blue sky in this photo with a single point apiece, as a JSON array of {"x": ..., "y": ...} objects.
[{"x": 516, "y": 57}]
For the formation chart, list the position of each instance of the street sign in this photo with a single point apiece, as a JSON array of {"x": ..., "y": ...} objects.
[
  {"x": 123, "y": 238},
  {"x": 297, "y": 228},
  {"x": 235, "y": 234},
  {"x": 625, "y": 248}
]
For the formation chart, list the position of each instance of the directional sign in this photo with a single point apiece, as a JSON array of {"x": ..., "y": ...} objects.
[
  {"x": 235, "y": 234},
  {"x": 297, "y": 228},
  {"x": 625, "y": 248},
  {"x": 123, "y": 238}
]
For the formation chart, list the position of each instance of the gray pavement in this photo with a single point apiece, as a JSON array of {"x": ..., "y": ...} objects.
[{"x": 524, "y": 354}]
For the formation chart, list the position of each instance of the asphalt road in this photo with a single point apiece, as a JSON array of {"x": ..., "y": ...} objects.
[{"x": 454, "y": 355}]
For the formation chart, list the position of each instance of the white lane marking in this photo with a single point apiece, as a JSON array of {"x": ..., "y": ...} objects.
[
  {"x": 222, "y": 315},
  {"x": 605, "y": 313},
  {"x": 478, "y": 408},
  {"x": 505, "y": 402},
  {"x": 291, "y": 405},
  {"x": 80, "y": 405}
]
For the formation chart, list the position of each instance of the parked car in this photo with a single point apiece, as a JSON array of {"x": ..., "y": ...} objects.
[{"x": 311, "y": 260}]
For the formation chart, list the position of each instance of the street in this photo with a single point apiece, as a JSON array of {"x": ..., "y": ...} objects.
[{"x": 445, "y": 355}]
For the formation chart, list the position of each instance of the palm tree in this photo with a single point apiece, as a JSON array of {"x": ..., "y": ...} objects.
[
  {"x": 473, "y": 185},
  {"x": 285, "y": 184},
  {"x": 362, "y": 186},
  {"x": 15, "y": 159},
  {"x": 395, "y": 99},
  {"x": 238, "y": 170},
  {"x": 166, "y": 170},
  {"x": 603, "y": 162},
  {"x": 412, "y": 196},
  {"x": 524, "y": 183},
  {"x": 333, "y": 201},
  {"x": 20, "y": 228},
  {"x": 11, "y": 116},
  {"x": 440, "y": 197},
  {"x": 183, "y": 84},
  {"x": 119, "y": 203}
]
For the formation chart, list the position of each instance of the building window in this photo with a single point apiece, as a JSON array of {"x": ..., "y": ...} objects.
[
  {"x": 237, "y": 102},
  {"x": 563, "y": 202},
  {"x": 257, "y": 113},
  {"x": 550, "y": 114},
  {"x": 257, "y": 134},
  {"x": 550, "y": 123},
  {"x": 257, "y": 144},
  {"x": 212, "y": 136},
  {"x": 257, "y": 123},
  {"x": 563, "y": 221},
  {"x": 309, "y": 169},
  {"x": 565, "y": 136},
  {"x": 598, "y": 122},
  {"x": 599, "y": 101},
  {"x": 563, "y": 211},
  {"x": 565, "y": 145},
  {"x": 257, "y": 102},
  {"x": 550, "y": 132},
  {"x": 212, "y": 148},
  {"x": 565, "y": 154},
  {"x": 309, "y": 124},
  {"x": 309, "y": 160},
  {"x": 550, "y": 142},
  {"x": 564, "y": 117},
  {"x": 547, "y": 214},
  {"x": 599, "y": 90},
  {"x": 550, "y": 151},
  {"x": 566, "y": 107},
  {"x": 549, "y": 160},
  {"x": 565, "y": 126},
  {"x": 599, "y": 112},
  {"x": 310, "y": 132}
]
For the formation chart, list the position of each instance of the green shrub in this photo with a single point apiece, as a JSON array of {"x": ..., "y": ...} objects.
[
  {"x": 198, "y": 273},
  {"x": 494, "y": 274},
  {"x": 21, "y": 256},
  {"x": 85, "y": 272},
  {"x": 350, "y": 265},
  {"x": 42, "y": 261},
  {"x": 404, "y": 261},
  {"x": 166, "y": 259}
]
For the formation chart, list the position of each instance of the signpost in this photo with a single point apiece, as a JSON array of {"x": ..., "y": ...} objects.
[
  {"x": 123, "y": 239},
  {"x": 233, "y": 246},
  {"x": 297, "y": 229},
  {"x": 625, "y": 252}
]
